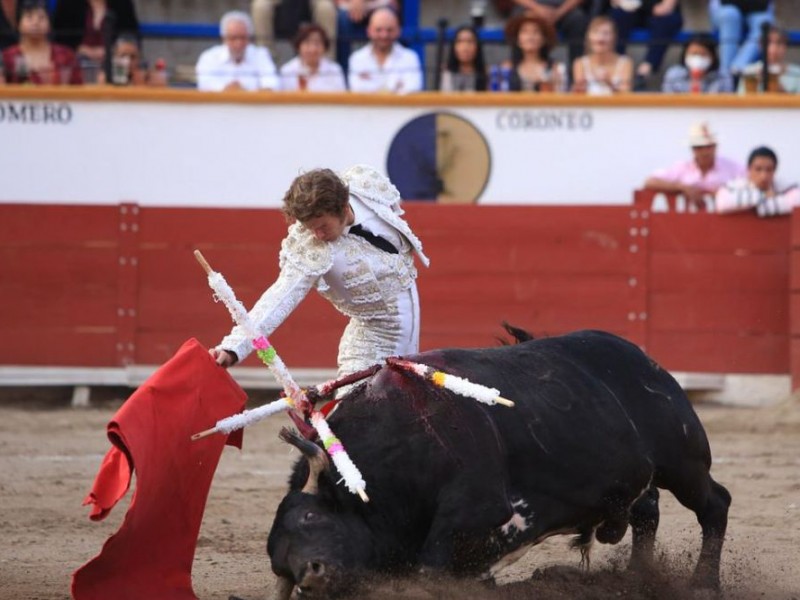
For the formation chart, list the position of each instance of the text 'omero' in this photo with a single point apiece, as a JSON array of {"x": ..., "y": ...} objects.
[{"x": 35, "y": 113}]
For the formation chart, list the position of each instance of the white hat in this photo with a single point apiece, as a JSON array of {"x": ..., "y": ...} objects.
[{"x": 701, "y": 135}]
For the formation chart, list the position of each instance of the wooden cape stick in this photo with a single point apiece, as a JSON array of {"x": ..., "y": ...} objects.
[{"x": 294, "y": 393}]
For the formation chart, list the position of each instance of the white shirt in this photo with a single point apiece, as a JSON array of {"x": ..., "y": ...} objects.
[
  {"x": 401, "y": 73},
  {"x": 216, "y": 69},
  {"x": 328, "y": 78}
]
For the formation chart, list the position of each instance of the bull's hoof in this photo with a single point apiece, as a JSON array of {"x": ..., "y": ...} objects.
[{"x": 611, "y": 531}]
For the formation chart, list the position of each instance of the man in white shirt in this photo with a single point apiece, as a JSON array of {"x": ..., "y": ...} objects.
[
  {"x": 236, "y": 64},
  {"x": 384, "y": 65}
]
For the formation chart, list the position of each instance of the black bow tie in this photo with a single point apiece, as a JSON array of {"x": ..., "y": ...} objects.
[{"x": 375, "y": 240}]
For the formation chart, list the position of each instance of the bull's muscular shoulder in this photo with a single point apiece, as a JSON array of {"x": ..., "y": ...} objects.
[{"x": 302, "y": 251}]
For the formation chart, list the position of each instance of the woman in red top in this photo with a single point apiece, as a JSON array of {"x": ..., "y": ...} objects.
[{"x": 35, "y": 59}]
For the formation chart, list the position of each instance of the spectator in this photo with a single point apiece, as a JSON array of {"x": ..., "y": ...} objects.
[
  {"x": 704, "y": 174},
  {"x": 128, "y": 67},
  {"x": 35, "y": 59},
  {"x": 87, "y": 26},
  {"x": 531, "y": 39},
  {"x": 568, "y": 17},
  {"x": 384, "y": 65},
  {"x": 698, "y": 71},
  {"x": 729, "y": 18},
  {"x": 661, "y": 18},
  {"x": 602, "y": 71},
  {"x": 466, "y": 66},
  {"x": 783, "y": 76},
  {"x": 282, "y": 18},
  {"x": 9, "y": 10},
  {"x": 758, "y": 190},
  {"x": 236, "y": 64},
  {"x": 351, "y": 23},
  {"x": 311, "y": 70}
]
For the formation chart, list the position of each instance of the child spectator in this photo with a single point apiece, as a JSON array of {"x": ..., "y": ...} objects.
[
  {"x": 758, "y": 190},
  {"x": 601, "y": 71},
  {"x": 466, "y": 65},
  {"x": 704, "y": 174},
  {"x": 532, "y": 70},
  {"x": 87, "y": 26},
  {"x": 35, "y": 59},
  {"x": 783, "y": 76},
  {"x": 128, "y": 67},
  {"x": 311, "y": 70},
  {"x": 731, "y": 18},
  {"x": 698, "y": 71},
  {"x": 661, "y": 18}
]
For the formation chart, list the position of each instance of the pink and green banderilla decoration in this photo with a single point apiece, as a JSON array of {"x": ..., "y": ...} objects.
[{"x": 295, "y": 399}]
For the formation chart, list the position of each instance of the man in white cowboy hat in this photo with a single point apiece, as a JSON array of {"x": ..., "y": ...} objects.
[
  {"x": 703, "y": 175},
  {"x": 348, "y": 240}
]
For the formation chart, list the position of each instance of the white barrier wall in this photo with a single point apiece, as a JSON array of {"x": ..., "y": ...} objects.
[{"x": 183, "y": 148}]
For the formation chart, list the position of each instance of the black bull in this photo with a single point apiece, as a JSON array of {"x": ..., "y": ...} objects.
[{"x": 457, "y": 485}]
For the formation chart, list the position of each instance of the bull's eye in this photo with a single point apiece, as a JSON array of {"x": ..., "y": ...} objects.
[{"x": 309, "y": 517}]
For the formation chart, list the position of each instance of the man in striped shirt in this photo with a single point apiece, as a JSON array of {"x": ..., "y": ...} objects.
[{"x": 758, "y": 190}]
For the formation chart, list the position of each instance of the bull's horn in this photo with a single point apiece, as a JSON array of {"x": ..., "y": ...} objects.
[{"x": 317, "y": 459}]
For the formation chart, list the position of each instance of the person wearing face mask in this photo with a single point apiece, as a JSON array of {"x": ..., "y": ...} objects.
[
  {"x": 759, "y": 190},
  {"x": 698, "y": 71}
]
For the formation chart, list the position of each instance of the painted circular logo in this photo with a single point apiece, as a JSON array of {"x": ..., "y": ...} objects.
[{"x": 439, "y": 157}]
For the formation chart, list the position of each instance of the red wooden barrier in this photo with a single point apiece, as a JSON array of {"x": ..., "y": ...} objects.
[
  {"x": 105, "y": 286},
  {"x": 718, "y": 289}
]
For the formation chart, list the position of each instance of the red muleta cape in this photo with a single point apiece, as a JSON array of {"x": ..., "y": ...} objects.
[{"x": 152, "y": 553}]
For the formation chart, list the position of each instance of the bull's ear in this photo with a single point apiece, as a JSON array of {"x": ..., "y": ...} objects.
[{"x": 317, "y": 459}]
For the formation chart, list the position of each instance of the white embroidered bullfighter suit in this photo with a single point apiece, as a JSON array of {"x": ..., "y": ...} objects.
[{"x": 376, "y": 289}]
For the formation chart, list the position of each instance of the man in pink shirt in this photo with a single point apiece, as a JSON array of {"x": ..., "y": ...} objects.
[
  {"x": 702, "y": 175},
  {"x": 759, "y": 189}
]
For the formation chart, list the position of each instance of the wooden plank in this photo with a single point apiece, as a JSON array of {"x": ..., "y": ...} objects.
[
  {"x": 794, "y": 361},
  {"x": 59, "y": 265},
  {"x": 127, "y": 282},
  {"x": 720, "y": 352},
  {"x": 709, "y": 272},
  {"x": 183, "y": 227},
  {"x": 709, "y": 311},
  {"x": 40, "y": 306},
  {"x": 175, "y": 266},
  {"x": 73, "y": 345},
  {"x": 794, "y": 313},
  {"x": 33, "y": 224},
  {"x": 739, "y": 234}
]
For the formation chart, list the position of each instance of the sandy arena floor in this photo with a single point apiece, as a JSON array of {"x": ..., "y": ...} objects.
[{"x": 49, "y": 455}]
